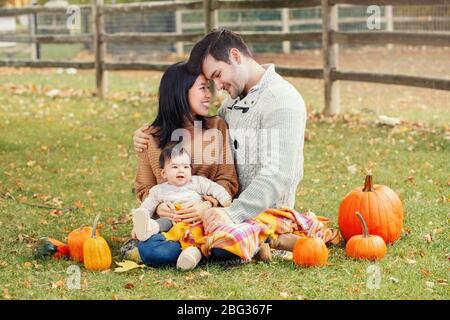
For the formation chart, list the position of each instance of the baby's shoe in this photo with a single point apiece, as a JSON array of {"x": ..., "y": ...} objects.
[
  {"x": 189, "y": 258},
  {"x": 144, "y": 226},
  {"x": 130, "y": 251}
]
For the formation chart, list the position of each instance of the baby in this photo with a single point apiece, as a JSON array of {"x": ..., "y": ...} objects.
[{"x": 181, "y": 188}]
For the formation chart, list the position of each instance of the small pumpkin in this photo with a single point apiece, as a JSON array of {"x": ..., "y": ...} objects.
[
  {"x": 365, "y": 246},
  {"x": 75, "y": 242},
  {"x": 380, "y": 206},
  {"x": 310, "y": 251},
  {"x": 96, "y": 252}
]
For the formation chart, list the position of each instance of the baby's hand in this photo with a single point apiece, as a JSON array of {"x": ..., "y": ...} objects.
[{"x": 227, "y": 203}]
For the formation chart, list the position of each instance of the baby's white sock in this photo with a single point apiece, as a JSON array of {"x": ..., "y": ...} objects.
[
  {"x": 189, "y": 258},
  {"x": 144, "y": 226}
]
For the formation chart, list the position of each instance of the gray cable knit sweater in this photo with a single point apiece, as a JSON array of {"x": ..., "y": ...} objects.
[{"x": 266, "y": 129}]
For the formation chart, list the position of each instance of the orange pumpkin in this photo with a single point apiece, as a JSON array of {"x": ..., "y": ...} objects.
[
  {"x": 75, "y": 242},
  {"x": 96, "y": 252},
  {"x": 380, "y": 207},
  {"x": 310, "y": 251},
  {"x": 365, "y": 246}
]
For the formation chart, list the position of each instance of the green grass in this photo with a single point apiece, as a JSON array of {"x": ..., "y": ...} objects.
[{"x": 76, "y": 148}]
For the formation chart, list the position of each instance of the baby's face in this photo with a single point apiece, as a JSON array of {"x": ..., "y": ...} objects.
[{"x": 177, "y": 170}]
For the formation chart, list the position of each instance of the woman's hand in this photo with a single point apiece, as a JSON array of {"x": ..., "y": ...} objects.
[
  {"x": 192, "y": 212},
  {"x": 140, "y": 139},
  {"x": 166, "y": 210}
]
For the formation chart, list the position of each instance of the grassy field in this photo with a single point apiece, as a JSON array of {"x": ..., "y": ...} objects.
[{"x": 73, "y": 151}]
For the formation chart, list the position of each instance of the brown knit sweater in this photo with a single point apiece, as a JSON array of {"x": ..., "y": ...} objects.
[{"x": 222, "y": 172}]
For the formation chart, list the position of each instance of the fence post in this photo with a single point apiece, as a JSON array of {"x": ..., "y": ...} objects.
[
  {"x": 209, "y": 15},
  {"x": 101, "y": 77},
  {"x": 330, "y": 53},
  {"x": 210, "y": 24},
  {"x": 179, "y": 46},
  {"x": 389, "y": 22},
  {"x": 285, "y": 22},
  {"x": 33, "y": 25}
]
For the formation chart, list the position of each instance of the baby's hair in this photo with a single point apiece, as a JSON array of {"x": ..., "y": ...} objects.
[{"x": 171, "y": 150}]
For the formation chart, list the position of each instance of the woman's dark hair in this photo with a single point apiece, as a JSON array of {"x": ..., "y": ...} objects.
[{"x": 174, "y": 111}]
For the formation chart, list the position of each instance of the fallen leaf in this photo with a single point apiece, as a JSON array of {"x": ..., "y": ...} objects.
[
  {"x": 78, "y": 204},
  {"x": 353, "y": 169},
  {"x": 429, "y": 238},
  {"x": 189, "y": 278},
  {"x": 410, "y": 261},
  {"x": 27, "y": 283},
  {"x": 425, "y": 272},
  {"x": 204, "y": 273},
  {"x": 6, "y": 294},
  {"x": 429, "y": 284},
  {"x": 57, "y": 284},
  {"x": 169, "y": 283},
  {"x": 127, "y": 265},
  {"x": 394, "y": 280},
  {"x": 56, "y": 212},
  {"x": 129, "y": 286},
  {"x": 284, "y": 295}
]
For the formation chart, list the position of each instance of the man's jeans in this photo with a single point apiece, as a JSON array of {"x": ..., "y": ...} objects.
[{"x": 157, "y": 251}]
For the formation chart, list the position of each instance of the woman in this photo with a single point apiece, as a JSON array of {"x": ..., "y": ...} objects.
[{"x": 183, "y": 115}]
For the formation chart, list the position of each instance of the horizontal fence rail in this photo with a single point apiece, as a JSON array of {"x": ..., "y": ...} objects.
[
  {"x": 381, "y": 37},
  {"x": 47, "y": 38},
  {"x": 4, "y": 12},
  {"x": 150, "y": 7},
  {"x": 330, "y": 37},
  {"x": 404, "y": 80},
  {"x": 270, "y": 4},
  {"x": 390, "y": 2}
]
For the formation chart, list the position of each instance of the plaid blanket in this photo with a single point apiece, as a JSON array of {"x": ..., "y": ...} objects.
[{"x": 244, "y": 239}]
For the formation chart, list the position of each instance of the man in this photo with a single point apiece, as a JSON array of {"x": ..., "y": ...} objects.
[{"x": 262, "y": 106}]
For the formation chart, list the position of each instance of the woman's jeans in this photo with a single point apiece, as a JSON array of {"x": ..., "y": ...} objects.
[{"x": 157, "y": 251}]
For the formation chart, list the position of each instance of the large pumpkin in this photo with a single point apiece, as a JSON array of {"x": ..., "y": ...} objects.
[
  {"x": 310, "y": 251},
  {"x": 365, "y": 246},
  {"x": 75, "y": 242},
  {"x": 380, "y": 207},
  {"x": 96, "y": 252}
]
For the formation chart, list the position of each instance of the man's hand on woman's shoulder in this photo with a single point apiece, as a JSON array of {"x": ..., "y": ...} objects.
[{"x": 140, "y": 138}]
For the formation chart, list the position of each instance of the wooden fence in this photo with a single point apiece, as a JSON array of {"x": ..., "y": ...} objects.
[{"x": 330, "y": 36}]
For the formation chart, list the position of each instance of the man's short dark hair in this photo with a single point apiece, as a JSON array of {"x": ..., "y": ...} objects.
[
  {"x": 171, "y": 150},
  {"x": 218, "y": 44}
]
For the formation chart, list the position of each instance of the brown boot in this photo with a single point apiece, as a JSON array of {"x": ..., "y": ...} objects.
[
  {"x": 284, "y": 241},
  {"x": 331, "y": 236},
  {"x": 264, "y": 253}
]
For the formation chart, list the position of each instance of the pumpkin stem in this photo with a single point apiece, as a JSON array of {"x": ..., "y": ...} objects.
[
  {"x": 364, "y": 225},
  {"x": 312, "y": 229},
  {"x": 94, "y": 226},
  {"x": 368, "y": 183}
]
